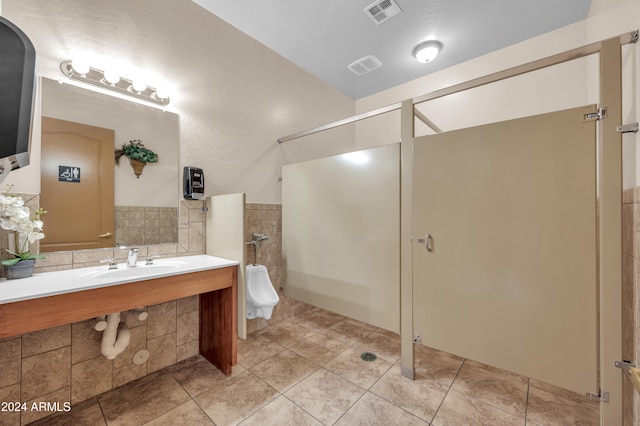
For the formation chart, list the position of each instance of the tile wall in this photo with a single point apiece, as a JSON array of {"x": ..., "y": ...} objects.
[
  {"x": 64, "y": 364},
  {"x": 267, "y": 219},
  {"x": 135, "y": 225},
  {"x": 630, "y": 298}
]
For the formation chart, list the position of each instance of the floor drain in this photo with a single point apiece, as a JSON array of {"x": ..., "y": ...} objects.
[{"x": 368, "y": 356}]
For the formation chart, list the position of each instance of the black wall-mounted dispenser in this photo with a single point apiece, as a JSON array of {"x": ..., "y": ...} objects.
[{"x": 193, "y": 183}]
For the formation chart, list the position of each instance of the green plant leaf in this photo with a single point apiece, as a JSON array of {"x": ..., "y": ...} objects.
[{"x": 11, "y": 262}]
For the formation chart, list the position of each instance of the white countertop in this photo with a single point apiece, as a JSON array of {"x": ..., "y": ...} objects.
[{"x": 60, "y": 282}]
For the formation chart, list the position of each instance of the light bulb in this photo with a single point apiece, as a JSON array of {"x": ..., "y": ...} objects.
[
  {"x": 139, "y": 86},
  {"x": 111, "y": 77},
  {"x": 80, "y": 66},
  {"x": 162, "y": 93}
]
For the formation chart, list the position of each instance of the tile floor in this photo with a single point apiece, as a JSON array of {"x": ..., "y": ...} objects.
[{"x": 307, "y": 370}]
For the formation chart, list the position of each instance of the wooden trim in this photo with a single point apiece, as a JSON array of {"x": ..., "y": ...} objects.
[
  {"x": 37, "y": 314},
  {"x": 219, "y": 327}
]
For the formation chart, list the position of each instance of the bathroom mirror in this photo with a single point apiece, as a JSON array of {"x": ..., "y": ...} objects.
[{"x": 146, "y": 207}]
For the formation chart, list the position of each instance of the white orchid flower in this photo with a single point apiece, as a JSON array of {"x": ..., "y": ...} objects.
[{"x": 16, "y": 217}]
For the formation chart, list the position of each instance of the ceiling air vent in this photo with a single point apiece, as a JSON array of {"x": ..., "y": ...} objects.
[
  {"x": 382, "y": 10},
  {"x": 364, "y": 65}
]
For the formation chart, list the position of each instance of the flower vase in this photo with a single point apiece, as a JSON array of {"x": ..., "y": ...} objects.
[
  {"x": 137, "y": 167},
  {"x": 22, "y": 269}
]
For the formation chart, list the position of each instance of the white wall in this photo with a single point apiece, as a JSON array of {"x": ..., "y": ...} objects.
[{"x": 234, "y": 96}]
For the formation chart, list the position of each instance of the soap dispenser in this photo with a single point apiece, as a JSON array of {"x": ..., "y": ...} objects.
[{"x": 193, "y": 180}]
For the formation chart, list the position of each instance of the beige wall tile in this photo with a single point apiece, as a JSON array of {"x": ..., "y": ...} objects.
[
  {"x": 188, "y": 327},
  {"x": 628, "y": 281},
  {"x": 90, "y": 378},
  {"x": 136, "y": 215},
  {"x": 267, "y": 219},
  {"x": 187, "y": 350},
  {"x": 163, "y": 352},
  {"x": 188, "y": 304},
  {"x": 161, "y": 320},
  {"x": 138, "y": 342},
  {"x": 628, "y": 332},
  {"x": 85, "y": 341},
  {"x": 48, "y": 355},
  {"x": 183, "y": 212},
  {"x": 195, "y": 211},
  {"x": 82, "y": 257},
  {"x": 10, "y": 394},
  {"x": 61, "y": 258},
  {"x": 131, "y": 319},
  {"x": 253, "y": 222},
  {"x": 196, "y": 237},
  {"x": 46, "y": 340},
  {"x": 628, "y": 196},
  {"x": 10, "y": 354},
  {"x": 46, "y": 373},
  {"x": 164, "y": 250},
  {"x": 122, "y": 254}
]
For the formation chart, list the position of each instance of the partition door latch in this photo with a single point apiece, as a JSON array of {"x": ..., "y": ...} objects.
[
  {"x": 427, "y": 242},
  {"x": 600, "y": 114}
]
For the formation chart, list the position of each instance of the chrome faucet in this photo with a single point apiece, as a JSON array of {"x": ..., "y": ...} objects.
[
  {"x": 132, "y": 259},
  {"x": 112, "y": 263}
]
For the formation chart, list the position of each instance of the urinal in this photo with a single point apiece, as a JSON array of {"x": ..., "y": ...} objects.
[{"x": 261, "y": 296}]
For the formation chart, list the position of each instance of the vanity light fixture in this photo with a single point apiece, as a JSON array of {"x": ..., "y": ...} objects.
[
  {"x": 110, "y": 80},
  {"x": 427, "y": 51}
]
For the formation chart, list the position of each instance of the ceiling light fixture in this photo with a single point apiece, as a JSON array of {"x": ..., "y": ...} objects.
[
  {"x": 427, "y": 51},
  {"x": 111, "y": 81}
]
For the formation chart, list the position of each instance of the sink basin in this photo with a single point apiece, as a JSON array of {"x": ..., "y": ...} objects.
[{"x": 139, "y": 271}]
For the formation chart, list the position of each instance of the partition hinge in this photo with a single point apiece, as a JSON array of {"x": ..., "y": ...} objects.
[
  {"x": 602, "y": 396},
  {"x": 600, "y": 114},
  {"x": 628, "y": 128}
]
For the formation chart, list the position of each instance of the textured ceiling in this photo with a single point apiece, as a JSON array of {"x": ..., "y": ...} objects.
[{"x": 325, "y": 37}]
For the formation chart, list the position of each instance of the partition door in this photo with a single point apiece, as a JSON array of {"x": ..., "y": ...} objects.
[{"x": 505, "y": 268}]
